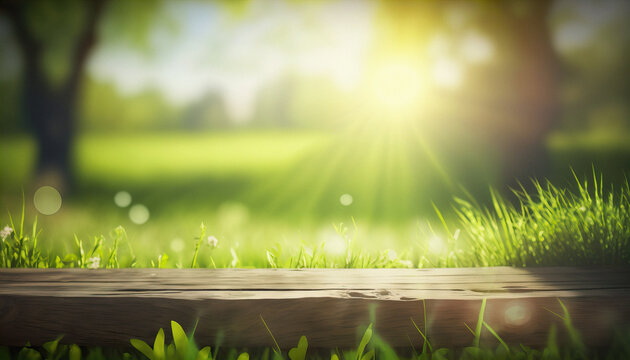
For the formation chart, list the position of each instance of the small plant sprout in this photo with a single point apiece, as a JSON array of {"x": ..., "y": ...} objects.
[
  {"x": 6, "y": 232},
  {"x": 210, "y": 241},
  {"x": 182, "y": 347},
  {"x": 202, "y": 235},
  {"x": 299, "y": 352}
]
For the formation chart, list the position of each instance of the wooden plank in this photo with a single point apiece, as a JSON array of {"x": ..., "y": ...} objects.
[{"x": 330, "y": 307}]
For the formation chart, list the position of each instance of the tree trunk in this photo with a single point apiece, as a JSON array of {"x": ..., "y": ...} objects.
[
  {"x": 536, "y": 78},
  {"x": 51, "y": 110},
  {"x": 54, "y": 128}
]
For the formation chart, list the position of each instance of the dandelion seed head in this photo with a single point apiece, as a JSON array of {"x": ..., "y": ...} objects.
[{"x": 212, "y": 241}]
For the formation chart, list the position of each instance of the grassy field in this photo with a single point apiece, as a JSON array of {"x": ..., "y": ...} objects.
[
  {"x": 548, "y": 226},
  {"x": 259, "y": 190},
  {"x": 252, "y": 190},
  {"x": 551, "y": 226},
  {"x": 273, "y": 200}
]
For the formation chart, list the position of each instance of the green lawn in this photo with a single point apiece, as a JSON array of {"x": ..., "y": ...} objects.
[
  {"x": 264, "y": 189},
  {"x": 272, "y": 199},
  {"x": 252, "y": 189}
]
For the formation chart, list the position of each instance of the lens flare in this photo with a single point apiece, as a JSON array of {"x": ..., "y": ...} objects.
[
  {"x": 47, "y": 200},
  {"x": 447, "y": 73},
  {"x": 139, "y": 214},
  {"x": 346, "y": 199},
  {"x": 122, "y": 199},
  {"x": 435, "y": 245},
  {"x": 398, "y": 85},
  {"x": 517, "y": 315}
]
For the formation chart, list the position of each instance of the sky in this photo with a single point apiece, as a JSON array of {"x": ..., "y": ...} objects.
[
  {"x": 213, "y": 50},
  {"x": 236, "y": 57}
]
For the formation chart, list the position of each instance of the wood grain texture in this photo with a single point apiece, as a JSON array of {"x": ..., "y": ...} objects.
[{"x": 330, "y": 307}]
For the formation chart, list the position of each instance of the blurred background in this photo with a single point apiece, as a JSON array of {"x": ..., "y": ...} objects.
[{"x": 272, "y": 120}]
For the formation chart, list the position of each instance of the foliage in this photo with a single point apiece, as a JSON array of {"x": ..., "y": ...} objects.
[
  {"x": 370, "y": 347},
  {"x": 551, "y": 226},
  {"x": 182, "y": 348}
]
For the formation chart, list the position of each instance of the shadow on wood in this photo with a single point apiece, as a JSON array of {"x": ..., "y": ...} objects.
[{"x": 330, "y": 307}]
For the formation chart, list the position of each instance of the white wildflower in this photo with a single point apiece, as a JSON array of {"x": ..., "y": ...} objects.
[
  {"x": 391, "y": 254},
  {"x": 212, "y": 242},
  {"x": 6, "y": 232},
  {"x": 94, "y": 262},
  {"x": 406, "y": 263}
]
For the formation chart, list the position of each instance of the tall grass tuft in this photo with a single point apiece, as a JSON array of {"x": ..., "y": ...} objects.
[{"x": 549, "y": 226}]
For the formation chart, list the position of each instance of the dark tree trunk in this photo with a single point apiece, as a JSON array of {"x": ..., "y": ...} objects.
[
  {"x": 51, "y": 110},
  {"x": 535, "y": 74}
]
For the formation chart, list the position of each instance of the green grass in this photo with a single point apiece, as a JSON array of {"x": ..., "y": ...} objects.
[
  {"x": 590, "y": 226},
  {"x": 251, "y": 189},
  {"x": 550, "y": 226},
  {"x": 370, "y": 347},
  {"x": 277, "y": 193},
  {"x": 255, "y": 190},
  {"x": 272, "y": 200}
]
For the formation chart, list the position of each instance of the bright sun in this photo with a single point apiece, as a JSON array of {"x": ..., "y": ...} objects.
[{"x": 398, "y": 86}]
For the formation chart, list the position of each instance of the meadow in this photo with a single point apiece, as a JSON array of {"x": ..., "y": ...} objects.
[
  {"x": 280, "y": 192},
  {"x": 280, "y": 199}
]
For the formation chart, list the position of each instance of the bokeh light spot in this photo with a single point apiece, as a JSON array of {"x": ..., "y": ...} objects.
[
  {"x": 346, "y": 199},
  {"x": 177, "y": 245},
  {"x": 476, "y": 47},
  {"x": 122, "y": 199},
  {"x": 47, "y": 200},
  {"x": 447, "y": 73},
  {"x": 336, "y": 246},
  {"x": 516, "y": 315},
  {"x": 139, "y": 214},
  {"x": 435, "y": 245}
]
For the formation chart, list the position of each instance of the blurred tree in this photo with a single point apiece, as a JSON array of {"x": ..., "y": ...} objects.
[
  {"x": 596, "y": 97},
  {"x": 207, "y": 113},
  {"x": 55, "y": 40},
  {"x": 49, "y": 108},
  {"x": 510, "y": 101},
  {"x": 104, "y": 108},
  {"x": 529, "y": 95}
]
